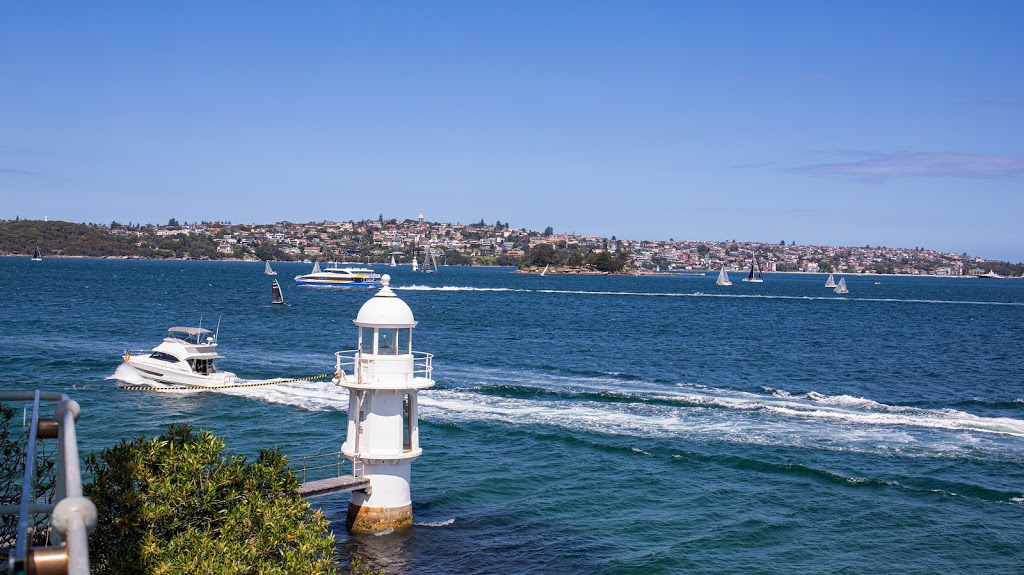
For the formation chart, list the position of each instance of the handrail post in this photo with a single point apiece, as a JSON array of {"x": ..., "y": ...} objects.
[{"x": 18, "y": 558}]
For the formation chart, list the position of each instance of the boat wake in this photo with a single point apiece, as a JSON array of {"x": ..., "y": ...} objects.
[
  {"x": 832, "y": 298},
  {"x": 689, "y": 412}
]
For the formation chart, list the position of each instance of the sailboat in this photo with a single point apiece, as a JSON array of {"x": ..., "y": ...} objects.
[
  {"x": 723, "y": 277},
  {"x": 316, "y": 267},
  {"x": 268, "y": 271},
  {"x": 545, "y": 270},
  {"x": 36, "y": 256},
  {"x": 275, "y": 292},
  {"x": 752, "y": 277},
  {"x": 841, "y": 286},
  {"x": 830, "y": 282},
  {"x": 429, "y": 263},
  {"x": 393, "y": 264}
]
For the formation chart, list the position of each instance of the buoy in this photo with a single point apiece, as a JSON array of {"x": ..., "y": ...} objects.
[{"x": 127, "y": 356}]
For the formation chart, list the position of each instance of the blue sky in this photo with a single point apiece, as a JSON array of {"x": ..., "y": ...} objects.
[{"x": 834, "y": 123}]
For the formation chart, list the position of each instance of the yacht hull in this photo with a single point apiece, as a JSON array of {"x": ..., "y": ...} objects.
[{"x": 169, "y": 376}]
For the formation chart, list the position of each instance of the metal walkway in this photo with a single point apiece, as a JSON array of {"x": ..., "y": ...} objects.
[
  {"x": 335, "y": 482},
  {"x": 332, "y": 485}
]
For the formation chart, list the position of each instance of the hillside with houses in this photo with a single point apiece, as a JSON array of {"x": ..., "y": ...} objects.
[{"x": 379, "y": 240}]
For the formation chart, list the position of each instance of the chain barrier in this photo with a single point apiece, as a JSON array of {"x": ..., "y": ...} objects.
[{"x": 231, "y": 386}]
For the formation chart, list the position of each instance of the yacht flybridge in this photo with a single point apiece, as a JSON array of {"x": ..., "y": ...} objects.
[{"x": 184, "y": 357}]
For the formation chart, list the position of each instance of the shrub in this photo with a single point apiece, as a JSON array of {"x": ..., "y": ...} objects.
[{"x": 177, "y": 504}]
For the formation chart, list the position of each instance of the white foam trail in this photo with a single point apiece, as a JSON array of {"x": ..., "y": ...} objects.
[
  {"x": 444, "y": 523},
  {"x": 127, "y": 375},
  {"x": 710, "y": 295},
  {"x": 308, "y": 395}
]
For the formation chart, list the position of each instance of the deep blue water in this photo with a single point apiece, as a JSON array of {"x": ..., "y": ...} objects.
[{"x": 599, "y": 424}]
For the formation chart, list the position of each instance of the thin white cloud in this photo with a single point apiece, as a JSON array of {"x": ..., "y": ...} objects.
[
  {"x": 16, "y": 172},
  {"x": 921, "y": 165}
]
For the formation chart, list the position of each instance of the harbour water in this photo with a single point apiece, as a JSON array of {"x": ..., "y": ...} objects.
[{"x": 598, "y": 424}]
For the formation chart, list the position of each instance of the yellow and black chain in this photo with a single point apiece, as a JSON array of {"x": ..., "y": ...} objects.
[{"x": 231, "y": 386}]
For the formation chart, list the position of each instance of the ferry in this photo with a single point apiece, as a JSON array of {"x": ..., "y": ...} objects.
[
  {"x": 346, "y": 277},
  {"x": 184, "y": 357}
]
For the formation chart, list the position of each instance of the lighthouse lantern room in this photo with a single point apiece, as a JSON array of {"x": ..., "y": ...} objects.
[{"x": 382, "y": 375}]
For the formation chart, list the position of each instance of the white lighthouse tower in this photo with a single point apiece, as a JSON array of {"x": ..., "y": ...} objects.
[{"x": 383, "y": 375}]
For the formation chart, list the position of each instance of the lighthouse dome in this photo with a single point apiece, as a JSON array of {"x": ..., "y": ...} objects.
[{"x": 385, "y": 309}]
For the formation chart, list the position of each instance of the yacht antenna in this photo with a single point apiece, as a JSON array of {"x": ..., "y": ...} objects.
[{"x": 216, "y": 334}]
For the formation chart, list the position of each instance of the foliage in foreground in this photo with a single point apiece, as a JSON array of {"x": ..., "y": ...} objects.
[{"x": 177, "y": 504}]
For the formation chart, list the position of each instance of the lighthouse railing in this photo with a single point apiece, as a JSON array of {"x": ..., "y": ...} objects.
[{"x": 362, "y": 365}]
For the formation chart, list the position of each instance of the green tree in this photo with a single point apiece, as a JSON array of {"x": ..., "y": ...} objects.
[
  {"x": 542, "y": 255},
  {"x": 178, "y": 504},
  {"x": 606, "y": 262}
]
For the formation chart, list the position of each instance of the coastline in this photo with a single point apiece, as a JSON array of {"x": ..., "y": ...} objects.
[{"x": 577, "y": 271}]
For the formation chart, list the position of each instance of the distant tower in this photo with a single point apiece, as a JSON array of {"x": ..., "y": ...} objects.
[
  {"x": 383, "y": 433},
  {"x": 421, "y": 217}
]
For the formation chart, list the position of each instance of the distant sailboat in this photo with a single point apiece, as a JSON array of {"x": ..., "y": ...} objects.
[
  {"x": 545, "y": 270},
  {"x": 36, "y": 256},
  {"x": 429, "y": 263},
  {"x": 275, "y": 292},
  {"x": 841, "y": 286},
  {"x": 316, "y": 267},
  {"x": 393, "y": 264},
  {"x": 752, "y": 276},
  {"x": 723, "y": 277},
  {"x": 268, "y": 271},
  {"x": 830, "y": 282}
]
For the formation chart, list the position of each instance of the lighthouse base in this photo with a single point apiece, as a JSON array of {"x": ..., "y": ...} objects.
[{"x": 365, "y": 519}]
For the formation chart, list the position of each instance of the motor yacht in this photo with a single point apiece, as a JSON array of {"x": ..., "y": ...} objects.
[{"x": 185, "y": 357}]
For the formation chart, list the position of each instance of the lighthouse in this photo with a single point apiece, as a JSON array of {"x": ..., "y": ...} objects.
[{"x": 383, "y": 375}]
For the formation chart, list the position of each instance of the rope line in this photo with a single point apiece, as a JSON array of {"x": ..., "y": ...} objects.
[{"x": 233, "y": 386}]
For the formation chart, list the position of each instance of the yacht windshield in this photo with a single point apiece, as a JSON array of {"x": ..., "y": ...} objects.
[{"x": 191, "y": 335}]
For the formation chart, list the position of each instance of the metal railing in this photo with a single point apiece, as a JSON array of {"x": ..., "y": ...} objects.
[
  {"x": 361, "y": 365},
  {"x": 71, "y": 515},
  {"x": 307, "y": 469}
]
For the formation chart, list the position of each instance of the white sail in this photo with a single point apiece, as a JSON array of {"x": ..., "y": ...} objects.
[
  {"x": 36, "y": 256},
  {"x": 267, "y": 270},
  {"x": 393, "y": 264},
  {"x": 841, "y": 286},
  {"x": 545, "y": 269},
  {"x": 316, "y": 267},
  {"x": 275, "y": 292},
  {"x": 830, "y": 282},
  {"x": 723, "y": 277}
]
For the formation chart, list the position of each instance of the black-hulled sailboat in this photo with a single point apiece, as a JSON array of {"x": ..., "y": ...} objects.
[
  {"x": 275, "y": 292},
  {"x": 755, "y": 272}
]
